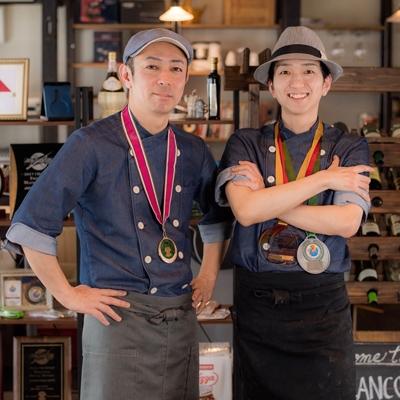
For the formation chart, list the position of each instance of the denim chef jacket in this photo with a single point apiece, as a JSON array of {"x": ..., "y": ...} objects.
[
  {"x": 95, "y": 175},
  {"x": 258, "y": 147}
]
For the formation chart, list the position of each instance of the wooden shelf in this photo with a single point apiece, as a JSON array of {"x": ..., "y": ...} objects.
[
  {"x": 125, "y": 27},
  {"x": 390, "y": 201},
  {"x": 328, "y": 27},
  {"x": 37, "y": 122},
  {"x": 118, "y": 27},
  {"x": 189, "y": 121},
  {"x": 221, "y": 26},
  {"x": 358, "y": 79},
  {"x": 389, "y": 247},
  {"x": 67, "y": 322},
  {"x": 103, "y": 66}
]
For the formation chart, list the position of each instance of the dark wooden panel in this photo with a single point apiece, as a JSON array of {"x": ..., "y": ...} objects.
[
  {"x": 390, "y": 201},
  {"x": 360, "y": 79},
  {"x": 389, "y": 247},
  {"x": 391, "y": 153}
]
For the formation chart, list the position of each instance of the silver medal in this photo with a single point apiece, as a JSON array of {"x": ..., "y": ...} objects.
[{"x": 313, "y": 255}]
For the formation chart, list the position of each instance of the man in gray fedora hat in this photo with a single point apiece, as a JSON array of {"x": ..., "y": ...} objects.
[
  {"x": 130, "y": 180},
  {"x": 298, "y": 189}
]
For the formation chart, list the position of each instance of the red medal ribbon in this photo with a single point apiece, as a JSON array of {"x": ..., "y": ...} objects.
[{"x": 142, "y": 164}]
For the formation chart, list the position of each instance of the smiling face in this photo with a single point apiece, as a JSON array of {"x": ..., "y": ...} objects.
[
  {"x": 298, "y": 86},
  {"x": 158, "y": 79}
]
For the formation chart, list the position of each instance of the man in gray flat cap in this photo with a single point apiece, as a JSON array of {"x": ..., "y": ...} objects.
[
  {"x": 130, "y": 180},
  {"x": 297, "y": 190}
]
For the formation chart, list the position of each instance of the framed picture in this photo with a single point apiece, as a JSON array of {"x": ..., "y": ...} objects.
[
  {"x": 21, "y": 290},
  {"x": 42, "y": 368},
  {"x": 14, "y": 88}
]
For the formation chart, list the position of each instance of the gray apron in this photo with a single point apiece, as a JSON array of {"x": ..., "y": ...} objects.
[{"x": 152, "y": 354}]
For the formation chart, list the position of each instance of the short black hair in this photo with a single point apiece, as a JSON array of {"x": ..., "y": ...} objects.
[{"x": 324, "y": 69}]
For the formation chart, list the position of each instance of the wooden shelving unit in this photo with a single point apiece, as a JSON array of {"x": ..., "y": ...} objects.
[{"x": 37, "y": 122}]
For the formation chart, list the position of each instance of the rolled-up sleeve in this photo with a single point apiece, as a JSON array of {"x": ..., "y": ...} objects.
[
  {"x": 342, "y": 198},
  {"x": 40, "y": 217},
  {"x": 356, "y": 153},
  {"x": 217, "y": 222}
]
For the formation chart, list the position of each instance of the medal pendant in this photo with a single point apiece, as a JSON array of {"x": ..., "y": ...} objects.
[
  {"x": 313, "y": 255},
  {"x": 167, "y": 250}
]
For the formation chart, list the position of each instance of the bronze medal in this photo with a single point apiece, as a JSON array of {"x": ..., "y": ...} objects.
[
  {"x": 278, "y": 244},
  {"x": 167, "y": 250}
]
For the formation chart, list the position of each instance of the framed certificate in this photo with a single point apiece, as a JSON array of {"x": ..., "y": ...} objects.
[
  {"x": 42, "y": 368},
  {"x": 14, "y": 88}
]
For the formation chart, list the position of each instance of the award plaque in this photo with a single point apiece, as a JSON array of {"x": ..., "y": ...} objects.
[
  {"x": 42, "y": 368},
  {"x": 20, "y": 289},
  {"x": 28, "y": 161}
]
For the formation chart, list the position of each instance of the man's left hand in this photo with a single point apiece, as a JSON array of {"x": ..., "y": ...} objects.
[{"x": 203, "y": 287}]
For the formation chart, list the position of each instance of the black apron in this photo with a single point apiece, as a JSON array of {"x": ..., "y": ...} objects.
[{"x": 293, "y": 335}]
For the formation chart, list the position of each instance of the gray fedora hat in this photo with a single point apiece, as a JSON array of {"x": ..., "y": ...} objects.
[
  {"x": 298, "y": 42},
  {"x": 139, "y": 41}
]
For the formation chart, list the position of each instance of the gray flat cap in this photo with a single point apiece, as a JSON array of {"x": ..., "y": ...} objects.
[
  {"x": 139, "y": 41},
  {"x": 298, "y": 42}
]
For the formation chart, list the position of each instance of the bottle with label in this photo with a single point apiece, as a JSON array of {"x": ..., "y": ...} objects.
[
  {"x": 376, "y": 182},
  {"x": 393, "y": 178},
  {"x": 370, "y": 131},
  {"x": 370, "y": 227},
  {"x": 369, "y": 273},
  {"x": 214, "y": 91},
  {"x": 378, "y": 157},
  {"x": 394, "y": 224},
  {"x": 111, "y": 97}
]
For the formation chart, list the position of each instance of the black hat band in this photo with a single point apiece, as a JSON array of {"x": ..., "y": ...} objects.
[{"x": 297, "y": 48}]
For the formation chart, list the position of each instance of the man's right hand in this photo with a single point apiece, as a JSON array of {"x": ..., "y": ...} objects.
[{"x": 96, "y": 302}]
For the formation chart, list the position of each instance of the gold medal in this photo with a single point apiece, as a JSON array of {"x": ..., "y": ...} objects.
[{"x": 167, "y": 250}]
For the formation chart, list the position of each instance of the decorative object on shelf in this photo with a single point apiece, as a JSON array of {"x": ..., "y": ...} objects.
[
  {"x": 395, "y": 130},
  {"x": 195, "y": 106},
  {"x": 104, "y": 42},
  {"x": 22, "y": 290},
  {"x": 394, "y": 18},
  {"x": 56, "y": 102},
  {"x": 214, "y": 91},
  {"x": 14, "y": 88},
  {"x": 99, "y": 11},
  {"x": 112, "y": 97},
  {"x": 42, "y": 368},
  {"x": 27, "y": 162},
  {"x": 197, "y": 12},
  {"x": 141, "y": 11},
  {"x": 176, "y": 14},
  {"x": 260, "y": 12}
]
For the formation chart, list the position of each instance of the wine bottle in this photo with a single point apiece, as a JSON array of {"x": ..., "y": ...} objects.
[
  {"x": 370, "y": 130},
  {"x": 214, "y": 91},
  {"x": 370, "y": 227},
  {"x": 377, "y": 201},
  {"x": 378, "y": 157},
  {"x": 394, "y": 224},
  {"x": 112, "y": 82},
  {"x": 393, "y": 178},
  {"x": 372, "y": 296},
  {"x": 367, "y": 272},
  {"x": 111, "y": 97},
  {"x": 376, "y": 182},
  {"x": 373, "y": 253}
]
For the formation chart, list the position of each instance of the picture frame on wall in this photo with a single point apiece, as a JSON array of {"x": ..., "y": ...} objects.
[
  {"x": 21, "y": 289},
  {"x": 14, "y": 75},
  {"x": 42, "y": 368}
]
